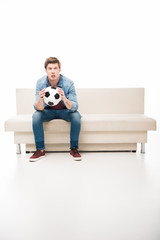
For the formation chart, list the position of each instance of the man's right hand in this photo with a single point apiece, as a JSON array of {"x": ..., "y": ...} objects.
[
  {"x": 40, "y": 104},
  {"x": 42, "y": 94}
]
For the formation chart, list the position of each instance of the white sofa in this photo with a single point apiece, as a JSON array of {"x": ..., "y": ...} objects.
[{"x": 112, "y": 120}]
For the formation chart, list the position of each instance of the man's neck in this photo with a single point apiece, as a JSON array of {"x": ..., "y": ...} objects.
[{"x": 54, "y": 83}]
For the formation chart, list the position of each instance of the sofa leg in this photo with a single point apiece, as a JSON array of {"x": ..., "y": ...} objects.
[
  {"x": 142, "y": 147},
  {"x": 18, "y": 148}
]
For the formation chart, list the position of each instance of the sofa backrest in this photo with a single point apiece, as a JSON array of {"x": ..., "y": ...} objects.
[{"x": 92, "y": 100}]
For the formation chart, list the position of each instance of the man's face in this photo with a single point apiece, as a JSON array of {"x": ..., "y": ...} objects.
[{"x": 53, "y": 72}]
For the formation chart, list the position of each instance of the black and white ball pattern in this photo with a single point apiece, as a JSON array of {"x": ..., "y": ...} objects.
[{"x": 52, "y": 97}]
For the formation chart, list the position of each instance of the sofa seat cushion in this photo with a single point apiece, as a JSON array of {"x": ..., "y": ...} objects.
[
  {"x": 90, "y": 122},
  {"x": 118, "y": 122}
]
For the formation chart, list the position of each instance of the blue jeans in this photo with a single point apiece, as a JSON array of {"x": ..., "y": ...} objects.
[{"x": 49, "y": 114}]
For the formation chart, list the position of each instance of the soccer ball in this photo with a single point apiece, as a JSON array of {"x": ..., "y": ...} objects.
[{"x": 52, "y": 97}]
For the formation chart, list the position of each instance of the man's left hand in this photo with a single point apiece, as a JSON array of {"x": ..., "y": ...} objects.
[
  {"x": 61, "y": 92},
  {"x": 66, "y": 101}
]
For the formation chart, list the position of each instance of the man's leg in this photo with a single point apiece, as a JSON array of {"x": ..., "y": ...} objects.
[
  {"x": 75, "y": 119},
  {"x": 37, "y": 123}
]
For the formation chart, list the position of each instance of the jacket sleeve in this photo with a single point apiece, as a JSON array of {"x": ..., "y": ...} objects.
[{"x": 72, "y": 96}]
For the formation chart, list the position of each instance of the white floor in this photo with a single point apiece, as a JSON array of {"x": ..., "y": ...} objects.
[{"x": 107, "y": 196}]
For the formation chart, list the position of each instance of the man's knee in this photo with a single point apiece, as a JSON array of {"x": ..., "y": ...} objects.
[
  {"x": 37, "y": 116},
  {"x": 75, "y": 116}
]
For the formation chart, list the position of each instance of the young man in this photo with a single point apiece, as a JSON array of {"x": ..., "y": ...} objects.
[{"x": 66, "y": 109}]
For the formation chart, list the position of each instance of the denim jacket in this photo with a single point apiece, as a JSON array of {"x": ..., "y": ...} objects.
[{"x": 66, "y": 84}]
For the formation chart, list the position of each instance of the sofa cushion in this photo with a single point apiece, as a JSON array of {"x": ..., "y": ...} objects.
[{"x": 90, "y": 122}]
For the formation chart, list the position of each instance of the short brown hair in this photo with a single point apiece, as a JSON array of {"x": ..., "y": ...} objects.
[{"x": 52, "y": 60}]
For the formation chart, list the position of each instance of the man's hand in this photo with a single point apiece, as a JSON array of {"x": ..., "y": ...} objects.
[
  {"x": 67, "y": 102},
  {"x": 40, "y": 103},
  {"x": 42, "y": 94},
  {"x": 61, "y": 93}
]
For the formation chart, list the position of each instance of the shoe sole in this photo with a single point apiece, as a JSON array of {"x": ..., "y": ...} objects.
[
  {"x": 76, "y": 159},
  {"x": 36, "y": 159}
]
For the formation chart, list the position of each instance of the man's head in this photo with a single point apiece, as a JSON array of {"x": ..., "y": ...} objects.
[
  {"x": 53, "y": 68},
  {"x": 52, "y": 60}
]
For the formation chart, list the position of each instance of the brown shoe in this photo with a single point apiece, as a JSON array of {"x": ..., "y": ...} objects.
[
  {"x": 37, "y": 155},
  {"x": 75, "y": 154}
]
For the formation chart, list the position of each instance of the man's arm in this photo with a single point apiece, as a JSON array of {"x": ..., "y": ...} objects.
[
  {"x": 67, "y": 102},
  {"x": 40, "y": 104}
]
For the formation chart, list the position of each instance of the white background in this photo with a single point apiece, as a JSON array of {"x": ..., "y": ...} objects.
[
  {"x": 99, "y": 43},
  {"x": 102, "y": 43}
]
